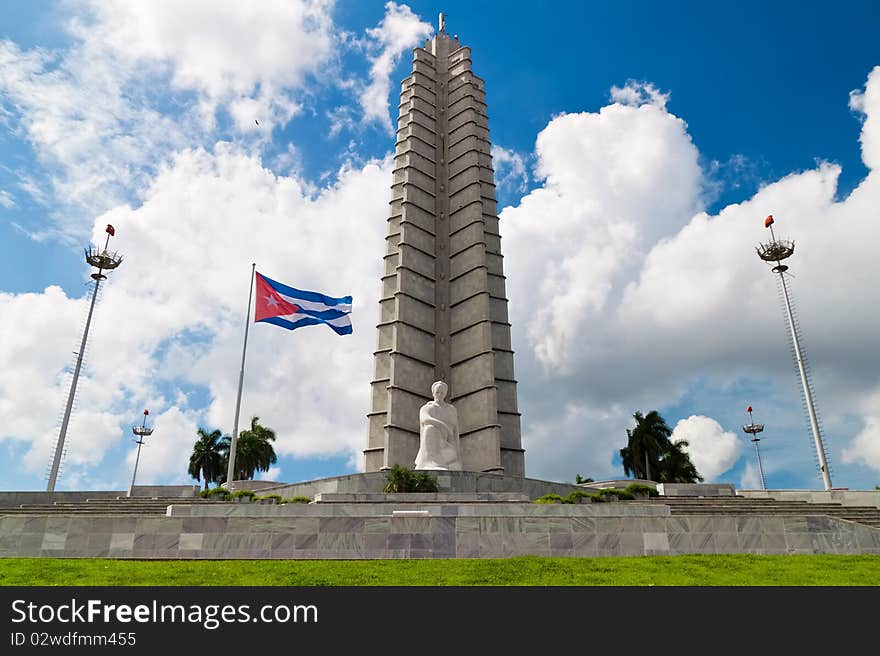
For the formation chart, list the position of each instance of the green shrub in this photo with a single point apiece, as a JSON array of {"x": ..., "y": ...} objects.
[
  {"x": 266, "y": 497},
  {"x": 214, "y": 493},
  {"x": 250, "y": 494},
  {"x": 576, "y": 495},
  {"x": 299, "y": 499},
  {"x": 402, "y": 479},
  {"x": 572, "y": 497},
  {"x": 613, "y": 493},
  {"x": 550, "y": 498},
  {"x": 639, "y": 488}
]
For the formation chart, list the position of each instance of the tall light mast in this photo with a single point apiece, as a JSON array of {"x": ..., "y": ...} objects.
[
  {"x": 104, "y": 261},
  {"x": 777, "y": 250}
]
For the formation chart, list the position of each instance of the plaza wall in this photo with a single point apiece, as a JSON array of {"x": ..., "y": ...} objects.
[
  {"x": 349, "y": 531},
  {"x": 447, "y": 481},
  {"x": 843, "y": 497}
]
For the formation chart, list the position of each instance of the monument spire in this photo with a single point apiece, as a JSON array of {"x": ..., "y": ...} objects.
[{"x": 443, "y": 300}]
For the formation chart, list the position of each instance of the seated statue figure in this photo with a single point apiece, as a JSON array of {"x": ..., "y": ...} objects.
[{"x": 438, "y": 433}]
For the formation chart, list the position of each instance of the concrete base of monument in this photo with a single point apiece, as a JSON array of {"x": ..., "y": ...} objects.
[
  {"x": 447, "y": 481},
  {"x": 389, "y": 530},
  {"x": 474, "y": 515}
]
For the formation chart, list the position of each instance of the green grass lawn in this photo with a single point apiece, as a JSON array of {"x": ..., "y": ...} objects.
[{"x": 730, "y": 570}]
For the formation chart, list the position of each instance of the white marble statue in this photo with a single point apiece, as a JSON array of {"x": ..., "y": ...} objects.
[{"x": 438, "y": 433}]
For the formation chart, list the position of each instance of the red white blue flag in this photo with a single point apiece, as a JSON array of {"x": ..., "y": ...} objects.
[{"x": 293, "y": 308}]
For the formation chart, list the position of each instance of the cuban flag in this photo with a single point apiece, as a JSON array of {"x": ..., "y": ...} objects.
[{"x": 293, "y": 308}]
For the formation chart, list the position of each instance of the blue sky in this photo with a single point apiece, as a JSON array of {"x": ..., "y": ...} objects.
[{"x": 638, "y": 148}]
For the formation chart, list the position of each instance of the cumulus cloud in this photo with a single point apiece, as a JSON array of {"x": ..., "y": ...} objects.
[
  {"x": 200, "y": 41},
  {"x": 635, "y": 93},
  {"x": 165, "y": 454},
  {"x": 865, "y": 447},
  {"x": 866, "y": 103},
  {"x": 616, "y": 181},
  {"x": 712, "y": 449},
  {"x": 171, "y": 319},
  {"x": 93, "y": 114},
  {"x": 38, "y": 351},
  {"x": 645, "y": 296},
  {"x": 399, "y": 32}
]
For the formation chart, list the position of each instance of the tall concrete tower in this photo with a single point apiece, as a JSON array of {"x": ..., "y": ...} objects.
[{"x": 443, "y": 304}]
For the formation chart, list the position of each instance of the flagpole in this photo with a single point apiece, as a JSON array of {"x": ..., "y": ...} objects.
[{"x": 230, "y": 477}]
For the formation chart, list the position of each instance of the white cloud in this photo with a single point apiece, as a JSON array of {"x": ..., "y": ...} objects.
[
  {"x": 750, "y": 479},
  {"x": 6, "y": 199},
  {"x": 644, "y": 296},
  {"x": 866, "y": 102},
  {"x": 865, "y": 448},
  {"x": 340, "y": 119},
  {"x": 165, "y": 454},
  {"x": 94, "y": 135},
  {"x": 616, "y": 182},
  {"x": 38, "y": 333},
  {"x": 98, "y": 114},
  {"x": 172, "y": 316},
  {"x": 274, "y": 474},
  {"x": 400, "y": 31},
  {"x": 635, "y": 93},
  {"x": 510, "y": 169},
  {"x": 712, "y": 449},
  {"x": 201, "y": 41}
]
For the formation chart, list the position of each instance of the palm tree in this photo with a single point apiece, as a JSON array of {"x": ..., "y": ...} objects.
[
  {"x": 206, "y": 461},
  {"x": 676, "y": 466},
  {"x": 253, "y": 450},
  {"x": 647, "y": 443}
]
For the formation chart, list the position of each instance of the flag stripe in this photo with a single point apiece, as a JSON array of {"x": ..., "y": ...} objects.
[
  {"x": 307, "y": 321},
  {"x": 297, "y": 295},
  {"x": 326, "y": 315},
  {"x": 340, "y": 320},
  {"x": 313, "y": 306},
  {"x": 292, "y": 308}
]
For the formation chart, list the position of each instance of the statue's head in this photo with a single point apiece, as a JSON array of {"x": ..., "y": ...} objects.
[{"x": 439, "y": 390}]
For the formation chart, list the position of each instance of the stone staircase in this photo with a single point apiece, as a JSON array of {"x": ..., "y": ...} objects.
[
  {"x": 727, "y": 505},
  {"x": 737, "y": 505},
  {"x": 118, "y": 506}
]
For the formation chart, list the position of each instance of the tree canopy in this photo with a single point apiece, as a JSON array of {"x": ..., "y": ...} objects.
[
  {"x": 651, "y": 454},
  {"x": 207, "y": 462},
  {"x": 253, "y": 452}
]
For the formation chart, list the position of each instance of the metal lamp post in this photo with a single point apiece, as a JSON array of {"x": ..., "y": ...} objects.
[
  {"x": 775, "y": 251},
  {"x": 141, "y": 432},
  {"x": 753, "y": 429},
  {"x": 103, "y": 261}
]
